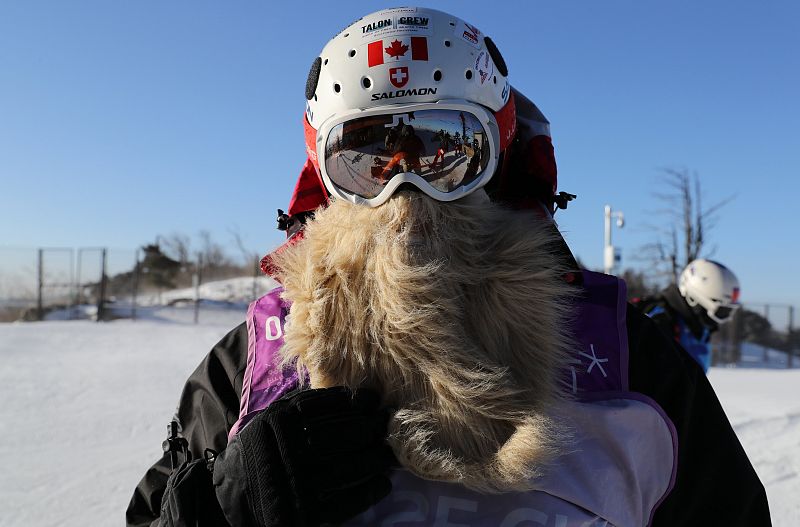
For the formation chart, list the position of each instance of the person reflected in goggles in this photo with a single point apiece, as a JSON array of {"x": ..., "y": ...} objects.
[{"x": 407, "y": 150}]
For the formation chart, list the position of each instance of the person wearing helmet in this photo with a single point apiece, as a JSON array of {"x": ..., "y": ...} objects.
[
  {"x": 441, "y": 314},
  {"x": 706, "y": 296},
  {"x": 408, "y": 149}
]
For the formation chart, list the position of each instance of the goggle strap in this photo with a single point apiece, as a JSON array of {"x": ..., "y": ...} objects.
[
  {"x": 309, "y": 193},
  {"x": 506, "y": 118}
]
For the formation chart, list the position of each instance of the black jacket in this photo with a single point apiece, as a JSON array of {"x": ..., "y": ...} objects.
[
  {"x": 715, "y": 483},
  {"x": 674, "y": 308}
]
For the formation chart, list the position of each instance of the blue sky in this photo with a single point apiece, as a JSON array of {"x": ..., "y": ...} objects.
[{"x": 120, "y": 121}]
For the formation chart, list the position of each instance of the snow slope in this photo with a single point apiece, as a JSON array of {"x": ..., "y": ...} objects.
[
  {"x": 763, "y": 406},
  {"x": 85, "y": 408}
]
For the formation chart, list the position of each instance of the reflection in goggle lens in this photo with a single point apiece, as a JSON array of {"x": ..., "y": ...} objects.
[{"x": 449, "y": 149}]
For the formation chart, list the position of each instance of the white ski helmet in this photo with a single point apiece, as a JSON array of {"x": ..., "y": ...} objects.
[
  {"x": 712, "y": 286},
  {"x": 408, "y": 95}
]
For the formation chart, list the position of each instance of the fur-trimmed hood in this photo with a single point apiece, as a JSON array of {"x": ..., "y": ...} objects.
[{"x": 455, "y": 312}]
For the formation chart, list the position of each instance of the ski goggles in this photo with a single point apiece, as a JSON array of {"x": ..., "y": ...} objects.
[
  {"x": 723, "y": 312},
  {"x": 446, "y": 149}
]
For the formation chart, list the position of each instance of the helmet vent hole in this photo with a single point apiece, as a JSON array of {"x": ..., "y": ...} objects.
[
  {"x": 346, "y": 35},
  {"x": 447, "y": 43},
  {"x": 315, "y": 97},
  {"x": 337, "y": 87},
  {"x": 351, "y": 53},
  {"x": 494, "y": 79},
  {"x": 452, "y": 23},
  {"x": 366, "y": 83},
  {"x": 325, "y": 63},
  {"x": 437, "y": 75},
  {"x": 468, "y": 74}
]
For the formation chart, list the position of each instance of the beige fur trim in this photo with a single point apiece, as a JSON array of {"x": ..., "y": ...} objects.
[{"x": 455, "y": 312}]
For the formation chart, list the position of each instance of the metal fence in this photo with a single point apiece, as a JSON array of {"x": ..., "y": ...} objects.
[
  {"x": 98, "y": 283},
  {"x": 51, "y": 283},
  {"x": 759, "y": 335}
]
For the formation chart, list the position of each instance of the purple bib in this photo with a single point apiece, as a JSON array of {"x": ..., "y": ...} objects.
[
  {"x": 265, "y": 380},
  {"x": 621, "y": 467}
]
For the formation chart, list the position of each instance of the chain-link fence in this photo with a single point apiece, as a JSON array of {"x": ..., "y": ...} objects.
[{"x": 64, "y": 283}]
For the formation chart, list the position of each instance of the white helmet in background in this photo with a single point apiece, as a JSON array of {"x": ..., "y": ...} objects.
[
  {"x": 408, "y": 95},
  {"x": 712, "y": 286}
]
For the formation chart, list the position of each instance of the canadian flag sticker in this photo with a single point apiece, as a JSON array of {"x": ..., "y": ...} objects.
[
  {"x": 398, "y": 76},
  {"x": 396, "y": 50}
]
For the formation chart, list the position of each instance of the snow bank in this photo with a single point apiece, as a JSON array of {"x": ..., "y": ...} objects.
[{"x": 234, "y": 290}]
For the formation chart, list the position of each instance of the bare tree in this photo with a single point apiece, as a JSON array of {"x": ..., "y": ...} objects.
[
  {"x": 213, "y": 253},
  {"x": 178, "y": 246},
  {"x": 684, "y": 236},
  {"x": 247, "y": 255}
]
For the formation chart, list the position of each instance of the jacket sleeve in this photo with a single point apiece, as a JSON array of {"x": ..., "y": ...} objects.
[
  {"x": 208, "y": 408},
  {"x": 715, "y": 483}
]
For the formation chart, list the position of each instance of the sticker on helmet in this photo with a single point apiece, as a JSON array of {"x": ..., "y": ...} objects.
[
  {"x": 309, "y": 113},
  {"x": 398, "y": 76},
  {"x": 506, "y": 91},
  {"x": 392, "y": 22},
  {"x": 397, "y": 50},
  {"x": 484, "y": 66},
  {"x": 403, "y": 93},
  {"x": 468, "y": 33},
  {"x": 375, "y": 25}
]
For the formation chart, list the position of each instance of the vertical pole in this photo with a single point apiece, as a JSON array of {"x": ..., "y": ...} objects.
[
  {"x": 78, "y": 279},
  {"x": 136, "y": 270},
  {"x": 736, "y": 338},
  {"x": 101, "y": 298},
  {"x": 39, "y": 299},
  {"x": 70, "y": 297},
  {"x": 790, "y": 362},
  {"x": 764, "y": 346},
  {"x": 198, "y": 276}
]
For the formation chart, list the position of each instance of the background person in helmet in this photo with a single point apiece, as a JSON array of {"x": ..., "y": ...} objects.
[
  {"x": 706, "y": 296},
  {"x": 520, "y": 388}
]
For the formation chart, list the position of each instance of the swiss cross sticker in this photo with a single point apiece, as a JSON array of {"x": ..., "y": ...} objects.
[{"x": 398, "y": 76}]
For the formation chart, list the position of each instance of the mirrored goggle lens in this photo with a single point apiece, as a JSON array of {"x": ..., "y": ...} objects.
[
  {"x": 448, "y": 149},
  {"x": 723, "y": 312}
]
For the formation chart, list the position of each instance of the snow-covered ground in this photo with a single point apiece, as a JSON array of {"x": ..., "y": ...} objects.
[
  {"x": 764, "y": 407},
  {"x": 85, "y": 407}
]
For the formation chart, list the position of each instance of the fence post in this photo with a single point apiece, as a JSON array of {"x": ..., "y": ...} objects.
[
  {"x": 197, "y": 278},
  {"x": 78, "y": 295},
  {"x": 136, "y": 270},
  {"x": 766, "y": 317},
  {"x": 71, "y": 311},
  {"x": 736, "y": 332},
  {"x": 101, "y": 299},
  {"x": 39, "y": 299},
  {"x": 790, "y": 351}
]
